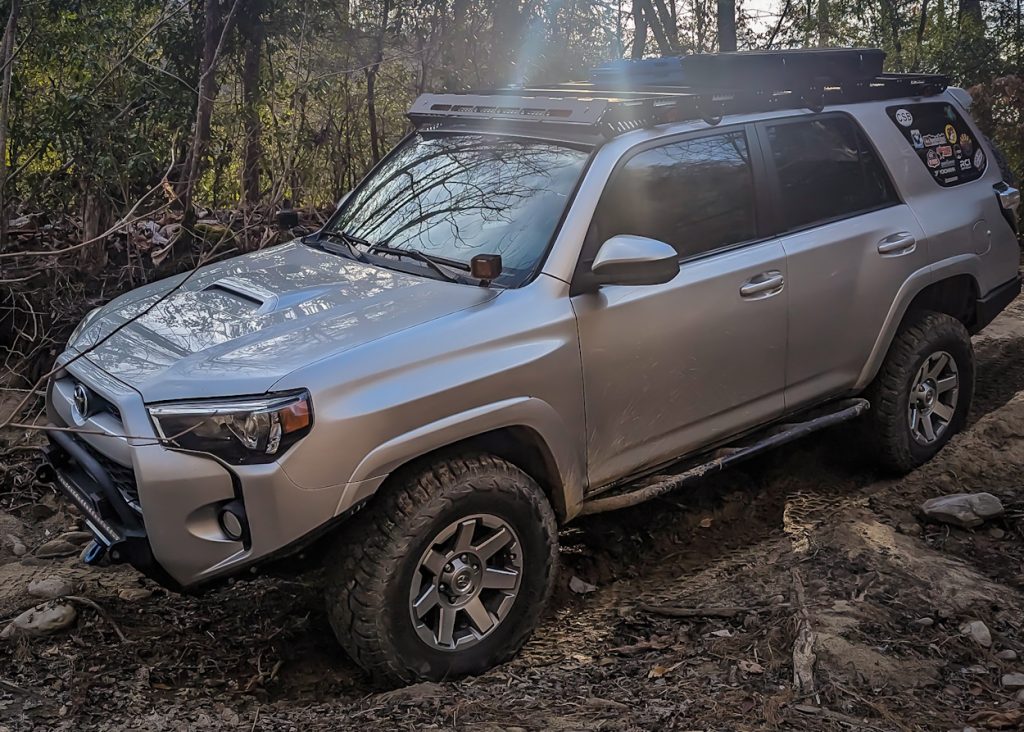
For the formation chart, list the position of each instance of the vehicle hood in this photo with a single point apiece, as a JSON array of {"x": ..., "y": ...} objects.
[{"x": 237, "y": 327}]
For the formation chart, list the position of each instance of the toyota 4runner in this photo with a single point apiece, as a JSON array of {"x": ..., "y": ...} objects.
[{"x": 544, "y": 303}]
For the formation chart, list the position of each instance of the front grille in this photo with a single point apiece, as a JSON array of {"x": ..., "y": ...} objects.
[{"x": 123, "y": 477}]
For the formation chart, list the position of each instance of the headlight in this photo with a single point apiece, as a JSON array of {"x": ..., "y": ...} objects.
[
  {"x": 81, "y": 326},
  {"x": 254, "y": 430}
]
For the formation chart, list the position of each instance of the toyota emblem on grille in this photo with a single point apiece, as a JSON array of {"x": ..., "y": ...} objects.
[{"x": 81, "y": 401}]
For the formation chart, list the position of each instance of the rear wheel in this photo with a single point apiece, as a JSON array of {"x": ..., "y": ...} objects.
[
  {"x": 446, "y": 573},
  {"x": 923, "y": 391}
]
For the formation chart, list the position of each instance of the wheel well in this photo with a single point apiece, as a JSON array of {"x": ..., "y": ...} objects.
[
  {"x": 519, "y": 445},
  {"x": 956, "y": 296}
]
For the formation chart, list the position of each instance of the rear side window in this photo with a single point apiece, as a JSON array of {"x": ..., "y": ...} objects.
[
  {"x": 942, "y": 140},
  {"x": 696, "y": 194},
  {"x": 826, "y": 171}
]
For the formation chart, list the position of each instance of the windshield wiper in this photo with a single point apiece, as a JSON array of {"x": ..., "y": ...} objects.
[
  {"x": 419, "y": 257},
  {"x": 348, "y": 240}
]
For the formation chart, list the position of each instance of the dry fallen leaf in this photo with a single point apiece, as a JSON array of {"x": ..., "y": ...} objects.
[
  {"x": 658, "y": 671},
  {"x": 705, "y": 523},
  {"x": 751, "y": 667}
]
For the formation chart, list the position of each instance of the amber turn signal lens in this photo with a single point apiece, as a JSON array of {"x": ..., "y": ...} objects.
[{"x": 295, "y": 417}]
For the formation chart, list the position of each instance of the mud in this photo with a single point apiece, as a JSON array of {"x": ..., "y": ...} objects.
[{"x": 808, "y": 539}]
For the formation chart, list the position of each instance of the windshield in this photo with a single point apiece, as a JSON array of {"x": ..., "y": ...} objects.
[{"x": 456, "y": 196}]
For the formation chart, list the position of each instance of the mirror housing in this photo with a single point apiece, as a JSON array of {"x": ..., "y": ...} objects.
[{"x": 635, "y": 260}]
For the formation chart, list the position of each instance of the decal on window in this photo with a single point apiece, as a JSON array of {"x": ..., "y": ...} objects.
[{"x": 942, "y": 140}]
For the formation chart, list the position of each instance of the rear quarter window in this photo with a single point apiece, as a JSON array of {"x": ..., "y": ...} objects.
[{"x": 942, "y": 140}]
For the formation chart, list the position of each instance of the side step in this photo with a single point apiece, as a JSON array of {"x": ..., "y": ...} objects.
[{"x": 689, "y": 471}]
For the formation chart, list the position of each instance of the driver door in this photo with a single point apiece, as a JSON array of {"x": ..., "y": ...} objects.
[{"x": 671, "y": 368}]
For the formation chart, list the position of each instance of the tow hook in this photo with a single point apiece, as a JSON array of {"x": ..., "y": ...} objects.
[{"x": 94, "y": 553}]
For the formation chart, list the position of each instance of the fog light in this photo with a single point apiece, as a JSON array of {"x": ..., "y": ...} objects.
[{"x": 232, "y": 521}]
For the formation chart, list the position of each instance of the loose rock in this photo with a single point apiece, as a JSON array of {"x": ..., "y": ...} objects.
[
  {"x": 978, "y": 632},
  {"x": 49, "y": 588},
  {"x": 134, "y": 594},
  {"x": 1007, "y": 654},
  {"x": 78, "y": 538},
  {"x": 1013, "y": 681},
  {"x": 581, "y": 587},
  {"x": 41, "y": 620},
  {"x": 15, "y": 545},
  {"x": 56, "y": 548},
  {"x": 965, "y": 510}
]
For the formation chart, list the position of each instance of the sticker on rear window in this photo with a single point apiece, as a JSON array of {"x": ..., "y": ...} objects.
[{"x": 942, "y": 140}]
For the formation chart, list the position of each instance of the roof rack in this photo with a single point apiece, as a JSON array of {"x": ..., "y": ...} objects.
[{"x": 624, "y": 98}]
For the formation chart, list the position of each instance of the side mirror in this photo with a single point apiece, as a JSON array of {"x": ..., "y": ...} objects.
[{"x": 635, "y": 260}]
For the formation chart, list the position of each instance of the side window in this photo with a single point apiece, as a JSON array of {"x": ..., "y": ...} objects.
[
  {"x": 697, "y": 195},
  {"x": 942, "y": 140},
  {"x": 826, "y": 170}
]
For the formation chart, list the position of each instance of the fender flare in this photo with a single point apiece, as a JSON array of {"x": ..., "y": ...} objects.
[
  {"x": 527, "y": 412},
  {"x": 914, "y": 285}
]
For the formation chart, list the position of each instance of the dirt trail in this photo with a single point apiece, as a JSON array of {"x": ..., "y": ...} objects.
[{"x": 802, "y": 541}]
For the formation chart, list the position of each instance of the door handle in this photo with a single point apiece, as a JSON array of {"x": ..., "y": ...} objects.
[
  {"x": 763, "y": 285},
  {"x": 901, "y": 243}
]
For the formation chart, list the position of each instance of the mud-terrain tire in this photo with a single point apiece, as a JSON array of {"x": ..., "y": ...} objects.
[
  {"x": 395, "y": 543},
  {"x": 916, "y": 351}
]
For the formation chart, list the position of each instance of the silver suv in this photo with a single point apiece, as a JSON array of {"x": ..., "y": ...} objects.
[{"x": 544, "y": 303}]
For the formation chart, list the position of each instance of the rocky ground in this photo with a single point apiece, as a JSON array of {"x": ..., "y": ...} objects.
[{"x": 800, "y": 592}]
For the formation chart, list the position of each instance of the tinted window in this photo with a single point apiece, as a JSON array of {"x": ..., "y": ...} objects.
[
  {"x": 697, "y": 195},
  {"x": 826, "y": 170},
  {"x": 942, "y": 140},
  {"x": 456, "y": 196}
]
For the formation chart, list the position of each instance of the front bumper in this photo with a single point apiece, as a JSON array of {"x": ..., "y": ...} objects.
[{"x": 158, "y": 509}]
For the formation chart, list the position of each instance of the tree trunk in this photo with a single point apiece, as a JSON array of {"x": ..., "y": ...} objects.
[
  {"x": 214, "y": 28},
  {"x": 823, "y": 23},
  {"x": 250, "y": 26},
  {"x": 371, "y": 84},
  {"x": 654, "y": 22},
  {"x": 640, "y": 30},
  {"x": 726, "y": 25},
  {"x": 7, "y": 55}
]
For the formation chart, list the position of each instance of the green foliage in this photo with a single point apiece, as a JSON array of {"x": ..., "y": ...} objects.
[{"x": 104, "y": 95}]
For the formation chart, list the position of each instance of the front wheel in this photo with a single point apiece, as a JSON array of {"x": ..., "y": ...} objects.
[
  {"x": 446, "y": 573},
  {"x": 923, "y": 392}
]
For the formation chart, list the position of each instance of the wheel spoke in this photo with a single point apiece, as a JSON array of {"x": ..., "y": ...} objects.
[
  {"x": 478, "y": 614},
  {"x": 434, "y": 562},
  {"x": 928, "y": 427},
  {"x": 943, "y": 410},
  {"x": 499, "y": 579},
  {"x": 446, "y": 626},
  {"x": 944, "y": 385},
  {"x": 491, "y": 546},
  {"x": 464, "y": 540},
  {"x": 936, "y": 369},
  {"x": 426, "y": 601}
]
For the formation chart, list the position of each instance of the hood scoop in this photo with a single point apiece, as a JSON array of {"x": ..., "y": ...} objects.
[{"x": 264, "y": 300}]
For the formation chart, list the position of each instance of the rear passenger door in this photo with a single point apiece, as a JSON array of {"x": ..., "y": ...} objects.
[{"x": 850, "y": 244}]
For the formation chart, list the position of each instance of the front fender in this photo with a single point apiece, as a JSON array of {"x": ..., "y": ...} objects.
[{"x": 528, "y": 412}]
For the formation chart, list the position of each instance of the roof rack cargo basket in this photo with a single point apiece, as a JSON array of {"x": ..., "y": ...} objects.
[
  {"x": 803, "y": 67},
  {"x": 628, "y": 95}
]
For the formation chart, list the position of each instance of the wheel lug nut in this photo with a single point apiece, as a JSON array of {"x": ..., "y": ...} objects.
[{"x": 448, "y": 567}]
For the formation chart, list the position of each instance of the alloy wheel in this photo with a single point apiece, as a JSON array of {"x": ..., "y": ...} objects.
[
  {"x": 466, "y": 582},
  {"x": 933, "y": 397}
]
